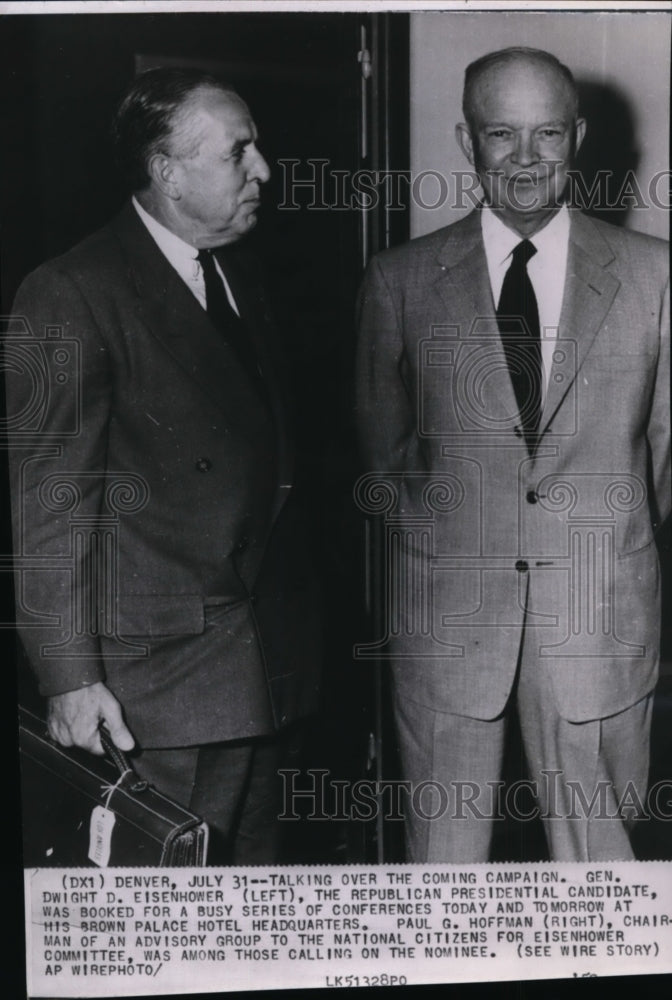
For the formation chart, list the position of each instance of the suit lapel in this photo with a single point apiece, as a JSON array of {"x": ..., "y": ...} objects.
[
  {"x": 589, "y": 292},
  {"x": 181, "y": 326},
  {"x": 253, "y": 309},
  {"x": 175, "y": 319},
  {"x": 254, "y": 312},
  {"x": 464, "y": 288}
]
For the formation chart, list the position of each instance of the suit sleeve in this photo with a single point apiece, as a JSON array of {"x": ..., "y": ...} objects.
[
  {"x": 59, "y": 391},
  {"x": 385, "y": 401},
  {"x": 660, "y": 417}
]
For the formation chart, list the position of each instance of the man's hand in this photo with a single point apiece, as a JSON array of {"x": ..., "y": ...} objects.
[{"x": 73, "y": 717}]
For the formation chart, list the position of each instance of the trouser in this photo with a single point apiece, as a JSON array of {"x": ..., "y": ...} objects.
[
  {"x": 579, "y": 773},
  {"x": 233, "y": 786}
]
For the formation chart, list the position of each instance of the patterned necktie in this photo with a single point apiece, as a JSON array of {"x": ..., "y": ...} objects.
[
  {"x": 518, "y": 321},
  {"x": 225, "y": 318}
]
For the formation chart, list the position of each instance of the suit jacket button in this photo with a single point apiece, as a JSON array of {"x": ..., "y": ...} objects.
[
  {"x": 203, "y": 464},
  {"x": 522, "y": 566},
  {"x": 517, "y": 431},
  {"x": 531, "y": 496}
]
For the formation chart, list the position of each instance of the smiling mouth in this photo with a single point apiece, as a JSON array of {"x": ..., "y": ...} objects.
[{"x": 528, "y": 179}]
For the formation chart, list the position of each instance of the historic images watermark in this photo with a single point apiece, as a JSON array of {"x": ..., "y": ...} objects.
[
  {"x": 314, "y": 185},
  {"x": 315, "y": 795}
]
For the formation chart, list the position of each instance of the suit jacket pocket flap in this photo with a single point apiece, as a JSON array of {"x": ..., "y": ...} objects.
[{"x": 161, "y": 614}]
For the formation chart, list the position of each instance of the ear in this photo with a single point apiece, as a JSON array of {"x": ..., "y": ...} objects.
[
  {"x": 464, "y": 141},
  {"x": 161, "y": 170},
  {"x": 579, "y": 133}
]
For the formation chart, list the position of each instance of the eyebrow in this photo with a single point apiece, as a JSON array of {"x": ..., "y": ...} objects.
[
  {"x": 501, "y": 124},
  {"x": 249, "y": 138},
  {"x": 238, "y": 146}
]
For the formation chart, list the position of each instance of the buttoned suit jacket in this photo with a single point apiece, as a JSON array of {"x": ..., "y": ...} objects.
[
  {"x": 484, "y": 539},
  {"x": 157, "y": 540}
]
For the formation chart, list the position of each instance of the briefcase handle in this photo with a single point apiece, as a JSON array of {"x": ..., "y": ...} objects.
[{"x": 120, "y": 760}]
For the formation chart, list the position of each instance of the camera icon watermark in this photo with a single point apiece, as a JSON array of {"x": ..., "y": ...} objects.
[
  {"x": 464, "y": 381},
  {"x": 66, "y": 520},
  {"x": 45, "y": 374}
]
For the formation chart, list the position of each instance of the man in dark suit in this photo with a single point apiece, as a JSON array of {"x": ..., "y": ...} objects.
[
  {"x": 171, "y": 596},
  {"x": 514, "y": 408}
]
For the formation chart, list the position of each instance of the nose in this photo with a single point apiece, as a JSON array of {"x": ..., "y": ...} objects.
[
  {"x": 525, "y": 151},
  {"x": 259, "y": 169}
]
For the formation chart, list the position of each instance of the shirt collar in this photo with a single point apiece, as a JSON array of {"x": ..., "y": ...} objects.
[
  {"x": 500, "y": 240},
  {"x": 173, "y": 247}
]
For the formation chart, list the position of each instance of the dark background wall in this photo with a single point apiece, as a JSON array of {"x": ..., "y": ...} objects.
[{"x": 62, "y": 77}]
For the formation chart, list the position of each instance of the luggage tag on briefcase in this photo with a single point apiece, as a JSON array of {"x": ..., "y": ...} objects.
[
  {"x": 100, "y": 836},
  {"x": 102, "y": 817},
  {"x": 82, "y": 809}
]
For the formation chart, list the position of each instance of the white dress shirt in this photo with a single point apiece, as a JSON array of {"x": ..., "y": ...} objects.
[
  {"x": 546, "y": 270},
  {"x": 182, "y": 257}
]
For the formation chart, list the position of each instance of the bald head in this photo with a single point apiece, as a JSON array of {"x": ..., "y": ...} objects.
[{"x": 486, "y": 72}]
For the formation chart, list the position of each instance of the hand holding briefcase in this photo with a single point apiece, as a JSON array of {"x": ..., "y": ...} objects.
[{"x": 82, "y": 810}]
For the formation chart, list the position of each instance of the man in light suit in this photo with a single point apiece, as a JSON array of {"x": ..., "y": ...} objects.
[
  {"x": 169, "y": 593},
  {"x": 513, "y": 403}
]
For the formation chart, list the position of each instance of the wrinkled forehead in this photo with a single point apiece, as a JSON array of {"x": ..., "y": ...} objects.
[{"x": 522, "y": 84}]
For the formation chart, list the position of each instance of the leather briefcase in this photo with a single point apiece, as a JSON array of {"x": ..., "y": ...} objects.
[{"x": 81, "y": 810}]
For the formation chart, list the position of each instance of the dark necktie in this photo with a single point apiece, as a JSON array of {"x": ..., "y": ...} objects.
[
  {"x": 518, "y": 321},
  {"x": 225, "y": 318}
]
